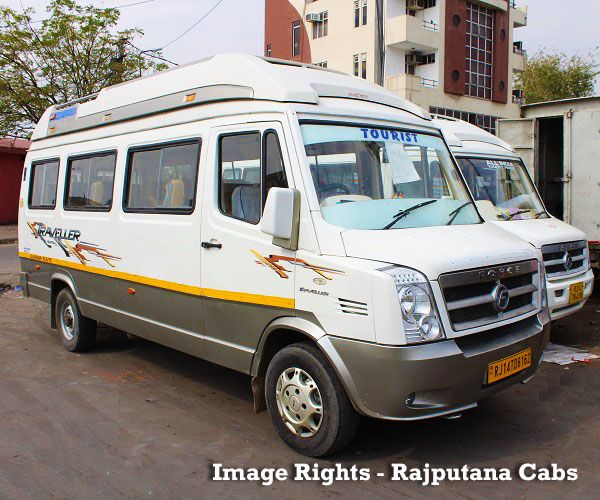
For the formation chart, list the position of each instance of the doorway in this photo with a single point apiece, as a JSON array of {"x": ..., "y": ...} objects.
[{"x": 551, "y": 178}]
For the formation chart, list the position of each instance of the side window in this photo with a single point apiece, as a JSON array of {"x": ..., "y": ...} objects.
[
  {"x": 274, "y": 168},
  {"x": 239, "y": 176},
  {"x": 90, "y": 181},
  {"x": 162, "y": 178},
  {"x": 246, "y": 176},
  {"x": 43, "y": 184}
]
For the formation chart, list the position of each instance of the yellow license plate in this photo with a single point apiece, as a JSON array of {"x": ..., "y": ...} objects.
[
  {"x": 509, "y": 366},
  {"x": 576, "y": 292}
]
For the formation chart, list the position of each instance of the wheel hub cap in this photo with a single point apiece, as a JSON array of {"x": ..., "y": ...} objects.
[
  {"x": 68, "y": 321},
  {"x": 299, "y": 402}
]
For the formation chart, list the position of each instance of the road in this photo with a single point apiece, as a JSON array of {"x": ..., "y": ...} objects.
[
  {"x": 9, "y": 260},
  {"x": 135, "y": 419}
]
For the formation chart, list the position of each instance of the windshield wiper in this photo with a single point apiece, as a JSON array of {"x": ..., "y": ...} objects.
[
  {"x": 454, "y": 213},
  {"x": 518, "y": 212},
  {"x": 540, "y": 213},
  {"x": 403, "y": 213}
]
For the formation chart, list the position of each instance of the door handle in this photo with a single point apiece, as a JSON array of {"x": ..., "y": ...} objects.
[{"x": 208, "y": 244}]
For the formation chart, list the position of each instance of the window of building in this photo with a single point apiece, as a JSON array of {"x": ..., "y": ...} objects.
[
  {"x": 296, "y": 43},
  {"x": 360, "y": 13},
  {"x": 268, "y": 50},
  {"x": 363, "y": 65},
  {"x": 480, "y": 29},
  {"x": 321, "y": 27},
  {"x": 486, "y": 122},
  {"x": 90, "y": 181},
  {"x": 241, "y": 182},
  {"x": 356, "y": 64},
  {"x": 43, "y": 184},
  {"x": 162, "y": 178}
]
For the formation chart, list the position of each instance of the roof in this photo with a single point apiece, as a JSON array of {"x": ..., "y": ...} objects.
[
  {"x": 562, "y": 101},
  {"x": 219, "y": 78},
  {"x": 462, "y": 134},
  {"x": 14, "y": 145}
]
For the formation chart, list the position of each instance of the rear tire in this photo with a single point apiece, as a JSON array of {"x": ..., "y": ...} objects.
[
  {"x": 77, "y": 333},
  {"x": 307, "y": 403}
]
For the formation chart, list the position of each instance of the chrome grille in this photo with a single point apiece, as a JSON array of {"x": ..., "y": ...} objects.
[
  {"x": 474, "y": 298},
  {"x": 563, "y": 259},
  {"x": 353, "y": 307}
]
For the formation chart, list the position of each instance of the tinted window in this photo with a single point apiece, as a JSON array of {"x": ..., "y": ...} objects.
[
  {"x": 239, "y": 190},
  {"x": 90, "y": 182},
  {"x": 44, "y": 180},
  {"x": 163, "y": 178}
]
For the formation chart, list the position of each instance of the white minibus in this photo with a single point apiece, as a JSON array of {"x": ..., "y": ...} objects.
[
  {"x": 506, "y": 195},
  {"x": 293, "y": 223}
]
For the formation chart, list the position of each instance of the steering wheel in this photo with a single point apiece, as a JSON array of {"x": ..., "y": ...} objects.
[{"x": 331, "y": 187}]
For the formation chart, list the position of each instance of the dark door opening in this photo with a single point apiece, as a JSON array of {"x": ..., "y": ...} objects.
[{"x": 550, "y": 178}]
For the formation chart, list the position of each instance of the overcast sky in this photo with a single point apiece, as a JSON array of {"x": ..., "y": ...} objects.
[{"x": 238, "y": 25}]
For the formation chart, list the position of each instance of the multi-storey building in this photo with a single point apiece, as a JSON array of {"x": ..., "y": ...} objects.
[{"x": 452, "y": 57}]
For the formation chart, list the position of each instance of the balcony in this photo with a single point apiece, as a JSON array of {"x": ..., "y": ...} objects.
[
  {"x": 411, "y": 33},
  {"x": 518, "y": 15},
  {"x": 412, "y": 87},
  {"x": 518, "y": 58}
]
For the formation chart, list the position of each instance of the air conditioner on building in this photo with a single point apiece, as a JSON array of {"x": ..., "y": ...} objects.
[
  {"x": 415, "y": 4},
  {"x": 415, "y": 59},
  {"x": 313, "y": 18}
]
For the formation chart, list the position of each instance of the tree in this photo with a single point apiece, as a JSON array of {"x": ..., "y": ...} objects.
[
  {"x": 553, "y": 76},
  {"x": 75, "y": 52}
]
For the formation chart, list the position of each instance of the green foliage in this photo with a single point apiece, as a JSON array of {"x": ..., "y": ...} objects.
[
  {"x": 73, "y": 53},
  {"x": 554, "y": 76}
]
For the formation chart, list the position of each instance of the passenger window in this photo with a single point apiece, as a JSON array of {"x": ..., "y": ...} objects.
[
  {"x": 239, "y": 190},
  {"x": 44, "y": 181},
  {"x": 163, "y": 178},
  {"x": 274, "y": 168},
  {"x": 90, "y": 181}
]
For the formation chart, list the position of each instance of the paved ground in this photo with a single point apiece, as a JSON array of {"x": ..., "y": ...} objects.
[
  {"x": 136, "y": 419},
  {"x": 8, "y": 234}
]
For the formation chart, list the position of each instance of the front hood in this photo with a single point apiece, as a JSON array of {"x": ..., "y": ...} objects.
[
  {"x": 541, "y": 232},
  {"x": 438, "y": 250}
]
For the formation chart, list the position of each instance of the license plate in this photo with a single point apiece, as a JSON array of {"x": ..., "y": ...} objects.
[
  {"x": 509, "y": 366},
  {"x": 576, "y": 292}
]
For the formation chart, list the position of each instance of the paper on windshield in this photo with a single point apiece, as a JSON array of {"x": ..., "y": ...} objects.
[{"x": 402, "y": 167}]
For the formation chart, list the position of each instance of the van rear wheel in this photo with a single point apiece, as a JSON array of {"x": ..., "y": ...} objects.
[
  {"x": 77, "y": 333},
  {"x": 307, "y": 403}
]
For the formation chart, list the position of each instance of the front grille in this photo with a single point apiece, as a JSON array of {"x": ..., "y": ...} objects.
[
  {"x": 563, "y": 259},
  {"x": 488, "y": 336},
  {"x": 472, "y": 296}
]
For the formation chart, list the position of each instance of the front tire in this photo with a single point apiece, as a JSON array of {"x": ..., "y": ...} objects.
[
  {"x": 77, "y": 333},
  {"x": 307, "y": 403}
]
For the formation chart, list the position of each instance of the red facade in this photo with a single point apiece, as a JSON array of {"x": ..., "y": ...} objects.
[
  {"x": 12, "y": 157},
  {"x": 279, "y": 17}
]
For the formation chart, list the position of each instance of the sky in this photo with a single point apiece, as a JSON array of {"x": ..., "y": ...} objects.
[{"x": 238, "y": 25}]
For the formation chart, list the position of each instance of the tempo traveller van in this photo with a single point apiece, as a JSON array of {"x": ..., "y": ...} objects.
[
  {"x": 293, "y": 223},
  {"x": 506, "y": 195}
]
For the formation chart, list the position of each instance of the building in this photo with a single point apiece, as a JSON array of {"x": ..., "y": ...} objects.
[
  {"x": 12, "y": 158},
  {"x": 452, "y": 57}
]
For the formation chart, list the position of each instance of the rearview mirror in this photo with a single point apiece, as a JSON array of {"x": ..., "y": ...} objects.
[{"x": 281, "y": 217}]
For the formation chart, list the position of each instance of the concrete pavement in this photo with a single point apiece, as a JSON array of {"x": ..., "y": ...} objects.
[
  {"x": 132, "y": 418},
  {"x": 8, "y": 234}
]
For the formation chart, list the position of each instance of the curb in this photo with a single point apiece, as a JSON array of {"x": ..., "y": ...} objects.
[{"x": 8, "y": 241}]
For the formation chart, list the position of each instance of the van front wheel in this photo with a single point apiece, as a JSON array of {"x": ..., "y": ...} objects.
[
  {"x": 77, "y": 332},
  {"x": 307, "y": 403}
]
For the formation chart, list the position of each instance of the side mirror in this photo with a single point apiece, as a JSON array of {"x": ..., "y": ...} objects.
[{"x": 281, "y": 217}]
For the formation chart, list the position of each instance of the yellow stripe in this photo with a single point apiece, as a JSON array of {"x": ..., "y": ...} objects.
[{"x": 250, "y": 298}]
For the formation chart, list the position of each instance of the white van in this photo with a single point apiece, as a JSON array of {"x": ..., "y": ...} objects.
[
  {"x": 506, "y": 195},
  {"x": 352, "y": 276}
]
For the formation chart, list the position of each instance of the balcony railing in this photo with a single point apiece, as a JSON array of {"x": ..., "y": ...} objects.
[
  {"x": 429, "y": 84},
  {"x": 431, "y": 25}
]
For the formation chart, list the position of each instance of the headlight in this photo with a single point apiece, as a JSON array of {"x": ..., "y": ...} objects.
[{"x": 419, "y": 315}]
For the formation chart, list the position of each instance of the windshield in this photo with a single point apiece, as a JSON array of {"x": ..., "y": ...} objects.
[
  {"x": 502, "y": 188},
  {"x": 373, "y": 178}
]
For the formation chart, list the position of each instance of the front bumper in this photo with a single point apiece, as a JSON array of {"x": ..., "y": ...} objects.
[
  {"x": 558, "y": 294},
  {"x": 446, "y": 377}
]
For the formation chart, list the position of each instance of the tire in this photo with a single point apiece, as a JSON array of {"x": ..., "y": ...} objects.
[
  {"x": 77, "y": 333},
  {"x": 298, "y": 378}
]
